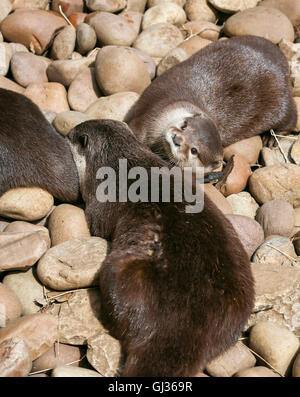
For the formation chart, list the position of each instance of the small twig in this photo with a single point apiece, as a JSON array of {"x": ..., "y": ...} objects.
[
  {"x": 265, "y": 361},
  {"x": 283, "y": 253},
  {"x": 278, "y": 143},
  {"x": 64, "y": 16},
  {"x": 49, "y": 369},
  {"x": 69, "y": 292},
  {"x": 288, "y": 137}
]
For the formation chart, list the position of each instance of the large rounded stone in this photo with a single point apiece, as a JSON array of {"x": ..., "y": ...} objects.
[
  {"x": 83, "y": 90},
  {"x": 276, "y": 249},
  {"x": 276, "y": 182},
  {"x": 106, "y": 5},
  {"x": 33, "y": 28},
  {"x": 27, "y": 204},
  {"x": 248, "y": 230},
  {"x": 257, "y": 372},
  {"x": 58, "y": 354},
  {"x": 200, "y": 10},
  {"x": 275, "y": 343},
  {"x": 5, "y": 9},
  {"x": 66, "y": 371},
  {"x": 115, "y": 107},
  {"x": 40, "y": 4},
  {"x": 67, "y": 222},
  {"x": 73, "y": 264},
  {"x": 247, "y": 148},
  {"x": 276, "y": 217},
  {"x": 112, "y": 29},
  {"x": 218, "y": 199},
  {"x": 120, "y": 69},
  {"x": 5, "y": 58},
  {"x": 232, "y": 6},
  {"x": 10, "y": 306},
  {"x": 15, "y": 358},
  {"x": 10, "y": 85},
  {"x": 64, "y": 43},
  {"x": 28, "y": 68},
  {"x": 265, "y": 22},
  {"x": 48, "y": 96},
  {"x": 291, "y": 8},
  {"x": 64, "y": 71},
  {"x": 157, "y": 40},
  {"x": 204, "y": 29},
  {"x": 28, "y": 289},
  {"x": 243, "y": 204},
  {"x": 65, "y": 121},
  {"x": 86, "y": 38},
  {"x": 68, "y": 6},
  {"x": 164, "y": 13},
  {"x": 39, "y": 332}
]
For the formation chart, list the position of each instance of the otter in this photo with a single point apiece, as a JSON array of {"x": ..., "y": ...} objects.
[
  {"x": 176, "y": 288},
  {"x": 228, "y": 91},
  {"x": 32, "y": 153}
]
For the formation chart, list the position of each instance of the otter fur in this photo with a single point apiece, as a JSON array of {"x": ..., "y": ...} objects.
[
  {"x": 176, "y": 288},
  {"x": 32, "y": 153},
  {"x": 241, "y": 86}
]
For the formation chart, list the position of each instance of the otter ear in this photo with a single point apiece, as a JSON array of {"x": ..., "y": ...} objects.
[{"x": 83, "y": 140}]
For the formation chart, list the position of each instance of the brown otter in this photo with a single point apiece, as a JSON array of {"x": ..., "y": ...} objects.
[
  {"x": 240, "y": 87},
  {"x": 32, "y": 153},
  {"x": 176, "y": 288}
]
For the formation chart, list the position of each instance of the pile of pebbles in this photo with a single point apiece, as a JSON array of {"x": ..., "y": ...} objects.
[{"x": 81, "y": 60}]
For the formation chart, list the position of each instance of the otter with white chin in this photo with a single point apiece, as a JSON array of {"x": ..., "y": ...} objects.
[{"x": 228, "y": 91}]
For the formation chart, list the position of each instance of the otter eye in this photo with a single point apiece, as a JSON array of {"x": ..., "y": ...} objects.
[
  {"x": 194, "y": 151},
  {"x": 184, "y": 125},
  {"x": 83, "y": 140}
]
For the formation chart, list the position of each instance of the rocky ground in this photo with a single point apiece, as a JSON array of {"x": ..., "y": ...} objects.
[{"x": 92, "y": 59}]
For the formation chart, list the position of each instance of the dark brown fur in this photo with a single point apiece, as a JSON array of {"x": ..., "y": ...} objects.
[
  {"x": 32, "y": 153},
  {"x": 242, "y": 84},
  {"x": 176, "y": 288}
]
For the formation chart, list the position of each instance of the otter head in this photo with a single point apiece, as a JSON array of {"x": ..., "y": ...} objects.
[{"x": 194, "y": 141}]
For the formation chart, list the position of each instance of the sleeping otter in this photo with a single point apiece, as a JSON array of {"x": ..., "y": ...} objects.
[
  {"x": 228, "y": 91},
  {"x": 32, "y": 153},
  {"x": 176, "y": 288}
]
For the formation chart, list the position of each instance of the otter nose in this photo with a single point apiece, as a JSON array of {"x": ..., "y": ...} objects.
[{"x": 216, "y": 164}]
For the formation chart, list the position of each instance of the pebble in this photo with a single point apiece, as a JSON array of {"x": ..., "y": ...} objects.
[
  {"x": 15, "y": 358},
  {"x": 199, "y": 10},
  {"x": 157, "y": 40},
  {"x": 249, "y": 149},
  {"x": 243, "y": 204},
  {"x": 265, "y": 22},
  {"x": 181, "y": 53},
  {"x": 86, "y": 38},
  {"x": 114, "y": 107},
  {"x": 33, "y": 28},
  {"x": 5, "y": 9},
  {"x": 257, "y": 372},
  {"x": 275, "y": 343},
  {"x": 27, "y": 203},
  {"x": 64, "y": 71},
  {"x": 73, "y": 264},
  {"x": 78, "y": 314},
  {"x": 248, "y": 230},
  {"x": 5, "y": 58},
  {"x": 67, "y": 222},
  {"x": 203, "y": 29},
  {"x": 48, "y": 96},
  {"x": 112, "y": 29},
  {"x": 10, "y": 85},
  {"x": 65, "y": 121},
  {"x": 276, "y": 182},
  {"x": 68, "y": 6},
  {"x": 10, "y": 306},
  {"x": 277, "y": 295},
  {"x": 235, "y": 359},
  {"x": 232, "y": 6},
  {"x": 269, "y": 251},
  {"x": 39, "y": 332},
  {"x": 64, "y": 43},
  {"x": 28, "y": 68},
  {"x": 164, "y": 13},
  {"x": 119, "y": 69},
  {"x": 83, "y": 90},
  {"x": 104, "y": 354},
  {"x": 291, "y": 8},
  {"x": 28, "y": 290},
  {"x": 276, "y": 217},
  {"x": 106, "y": 5},
  {"x": 66, "y": 371},
  {"x": 58, "y": 354}
]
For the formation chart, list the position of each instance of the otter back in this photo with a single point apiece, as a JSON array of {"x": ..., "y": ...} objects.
[{"x": 32, "y": 153}]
